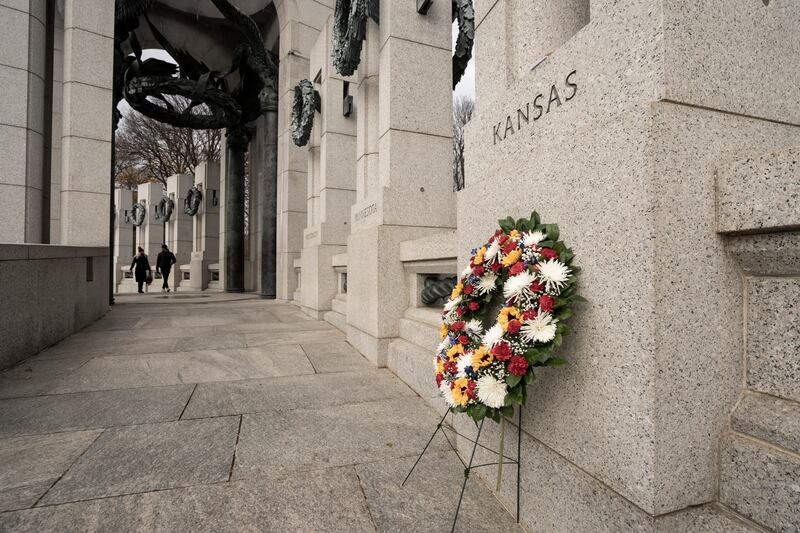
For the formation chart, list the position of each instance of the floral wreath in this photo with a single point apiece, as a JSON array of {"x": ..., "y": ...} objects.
[
  {"x": 306, "y": 102},
  {"x": 484, "y": 372},
  {"x": 191, "y": 204},
  {"x": 349, "y": 31},
  {"x": 138, "y": 213}
]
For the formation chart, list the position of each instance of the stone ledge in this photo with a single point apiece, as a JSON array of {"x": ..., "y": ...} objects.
[
  {"x": 759, "y": 194},
  {"x": 776, "y": 254},
  {"x": 771, "y": 419},
  {"x": 439, "y": 246},
  {"x": 25, "y": 252}
]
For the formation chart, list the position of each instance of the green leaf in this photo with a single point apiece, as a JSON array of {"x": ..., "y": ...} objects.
[
  {"x": 564, "y": 313},
  {"x": 557, "y": 361},
  {"x": 507, "y": 411},
  {"x": 522, "y": 225},
  {"x": 535, "y": 221},
  {"x": 512, "y": 380},
  {"x": 565, "y": 329},
  {"x": 505, "y": 226},
  {"x": 547, "y": 243},
  {"x": 558, "y": 340},
  {"x": 578, "y": 299},
  {"x": 552, "y": 231},
  {"x": 529, "y": 377}
]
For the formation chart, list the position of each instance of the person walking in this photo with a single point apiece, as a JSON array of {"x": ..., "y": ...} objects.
[
  {"x": 142, "y": 266},
  {"x": 164, "y": 265}
]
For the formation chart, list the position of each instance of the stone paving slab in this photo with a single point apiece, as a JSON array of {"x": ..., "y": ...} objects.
[
  {"x": 117, "y": 372},
  {"x": 322, "y": 501},
  {"x": 295, "y": 392},
  {"x": 309, "y": 439},
  {"x": 91, "y": 410},
  {"x": 30, "y": 465},
  {"x": 334, "y": 357},
  {"x": 35, "y": 377},
  {"x": 253, "y": 340},
  {"x": 150, "y": 457},
  {"x": 428, "y": 500}
]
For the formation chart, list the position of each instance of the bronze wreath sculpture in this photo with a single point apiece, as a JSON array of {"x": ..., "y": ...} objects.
[
  {"x": 191, "y": 204},
  {"x": 164, "y": 209},
  {"x": 306, "y": 102},
  {"x": 138, "y": 213},
  {"x": 349, "y": 32},
  {"x": 466, "y": 37}
]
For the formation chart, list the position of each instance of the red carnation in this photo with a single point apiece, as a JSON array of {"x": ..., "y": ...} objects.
[
  {"x": 474, "y": 306},
  {"x": 451, "y": 367},
  {"x": 478, "y": 270},
  {"x": 502, "y": 351},
  {"x": 518, "y": 267},
  {"x": 468, "y": 289},
  {"x": 460, "y": 311},
  {"x": 463, "y": 339},
  {"x": 495, "y": 267},
  {"x": 518, "y": 366},
  {"x": 546, "y": 303},
  {"x": 508, "y": 248},
  {"x": 536, "y": 286},
  {"x": 439, "y": 379},
  {"x": 530, "y": 314},
  {"x": 457, "y": 326},
  {"x": 513, "y": 326},
  {"x": 471, "y": 390},
  {"x": 503, "y": 239},
  {"x": 548, "y": 253}
]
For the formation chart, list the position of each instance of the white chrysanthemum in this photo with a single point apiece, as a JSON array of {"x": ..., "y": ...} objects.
[
  {"x": 554, "y": 273},
  {"x": 487, "y": 283},
  {"x": 518, "y": 285},
  {"x": 493, "y": 336},
  {"x": 491, "y": 391},
  {"x": 540, "y": 329},
  {"x": 463, "y": 362},
  {"x": 447, "y": 394},
  {"x": 452, "y": 304},
  {"x": 492, "y": 251},
  {"x": 534, "y": 237},
  {"x": 475, "y": 327},
  {"x": 444, "y": 345}
]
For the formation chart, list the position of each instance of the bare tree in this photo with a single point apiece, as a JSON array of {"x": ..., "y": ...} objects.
[
  {"x": 463, "y": 108},
  {"x": 150, "y": 151}
]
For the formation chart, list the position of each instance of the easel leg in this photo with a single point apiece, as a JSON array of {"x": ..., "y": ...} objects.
[
  {"x": 438, "y": 427},
  {"x": 519, "y": 455},
  {"x": 466, "y": 476}
]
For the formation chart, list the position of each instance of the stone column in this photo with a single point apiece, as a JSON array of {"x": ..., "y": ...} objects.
[
  {"x": 205, "y": 227},
  {"x": 150, "y": 235},
  {"x": 86, "y": 137},
  {"x": 123, "y": 236},
  {"x": 236, "y": 150},
  {"x": 22, "y": 124},
  {"x": 178, "y": 229},
  {"x": 269, "y": 202},
  {"x": 406, "y": 192},
  {"x": 331, "y": 182}
]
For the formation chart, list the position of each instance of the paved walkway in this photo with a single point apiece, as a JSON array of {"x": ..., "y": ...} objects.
[{"x": 219, "y": 413}]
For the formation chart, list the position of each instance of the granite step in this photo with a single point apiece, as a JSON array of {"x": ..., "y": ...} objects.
[
  {"x": 414, "y": 365},
  {"x": 336, "y": 319}
]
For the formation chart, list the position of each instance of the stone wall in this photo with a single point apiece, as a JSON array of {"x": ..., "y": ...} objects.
[{"x": 48, "y": 293}]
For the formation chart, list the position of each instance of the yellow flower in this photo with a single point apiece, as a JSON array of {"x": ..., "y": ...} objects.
[
  {"x": 443, "y": 330},
  {"x": 460, "y": 387},
  {"x": 512, "y": 257},
  {"x": 454, "y": 352},
  {"x": 479, "y": 256},
  {"x": 481, "y": 358},
  {"x": 439, "y": 365},
  {"x": 514, "y": 235},
  {"x": 457, "y": 291},
  {"x": 505, "y": 316}
]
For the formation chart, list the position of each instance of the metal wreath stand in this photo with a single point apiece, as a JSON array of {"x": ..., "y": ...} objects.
[{"x": 468, "y": 467}]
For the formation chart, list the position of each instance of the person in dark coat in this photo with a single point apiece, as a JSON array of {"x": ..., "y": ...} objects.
[
  {"x": 164, "y": 264},
  {"x": 142, "y": 266}
]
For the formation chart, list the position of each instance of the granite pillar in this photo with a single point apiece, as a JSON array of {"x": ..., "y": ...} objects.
[
  {"x": 205, "y": 227},
  {"x": 236, "y": 150},
  {"x": 269, "y": 202},
  {"x": 124, "y": 248},
  {"x": 178, "y": 229}
]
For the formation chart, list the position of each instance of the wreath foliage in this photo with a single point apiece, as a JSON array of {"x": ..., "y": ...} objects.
[
  {"x": 138, "y": 213},
  {"x": 465, "y": 14},
  {"x": 349, "y": 31},
  {"x": 306, "y": 102},
  {"x": 191, "y": 204},
  {"x": 486, "y": 359},
  {"x": 164, "y": 208}
]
